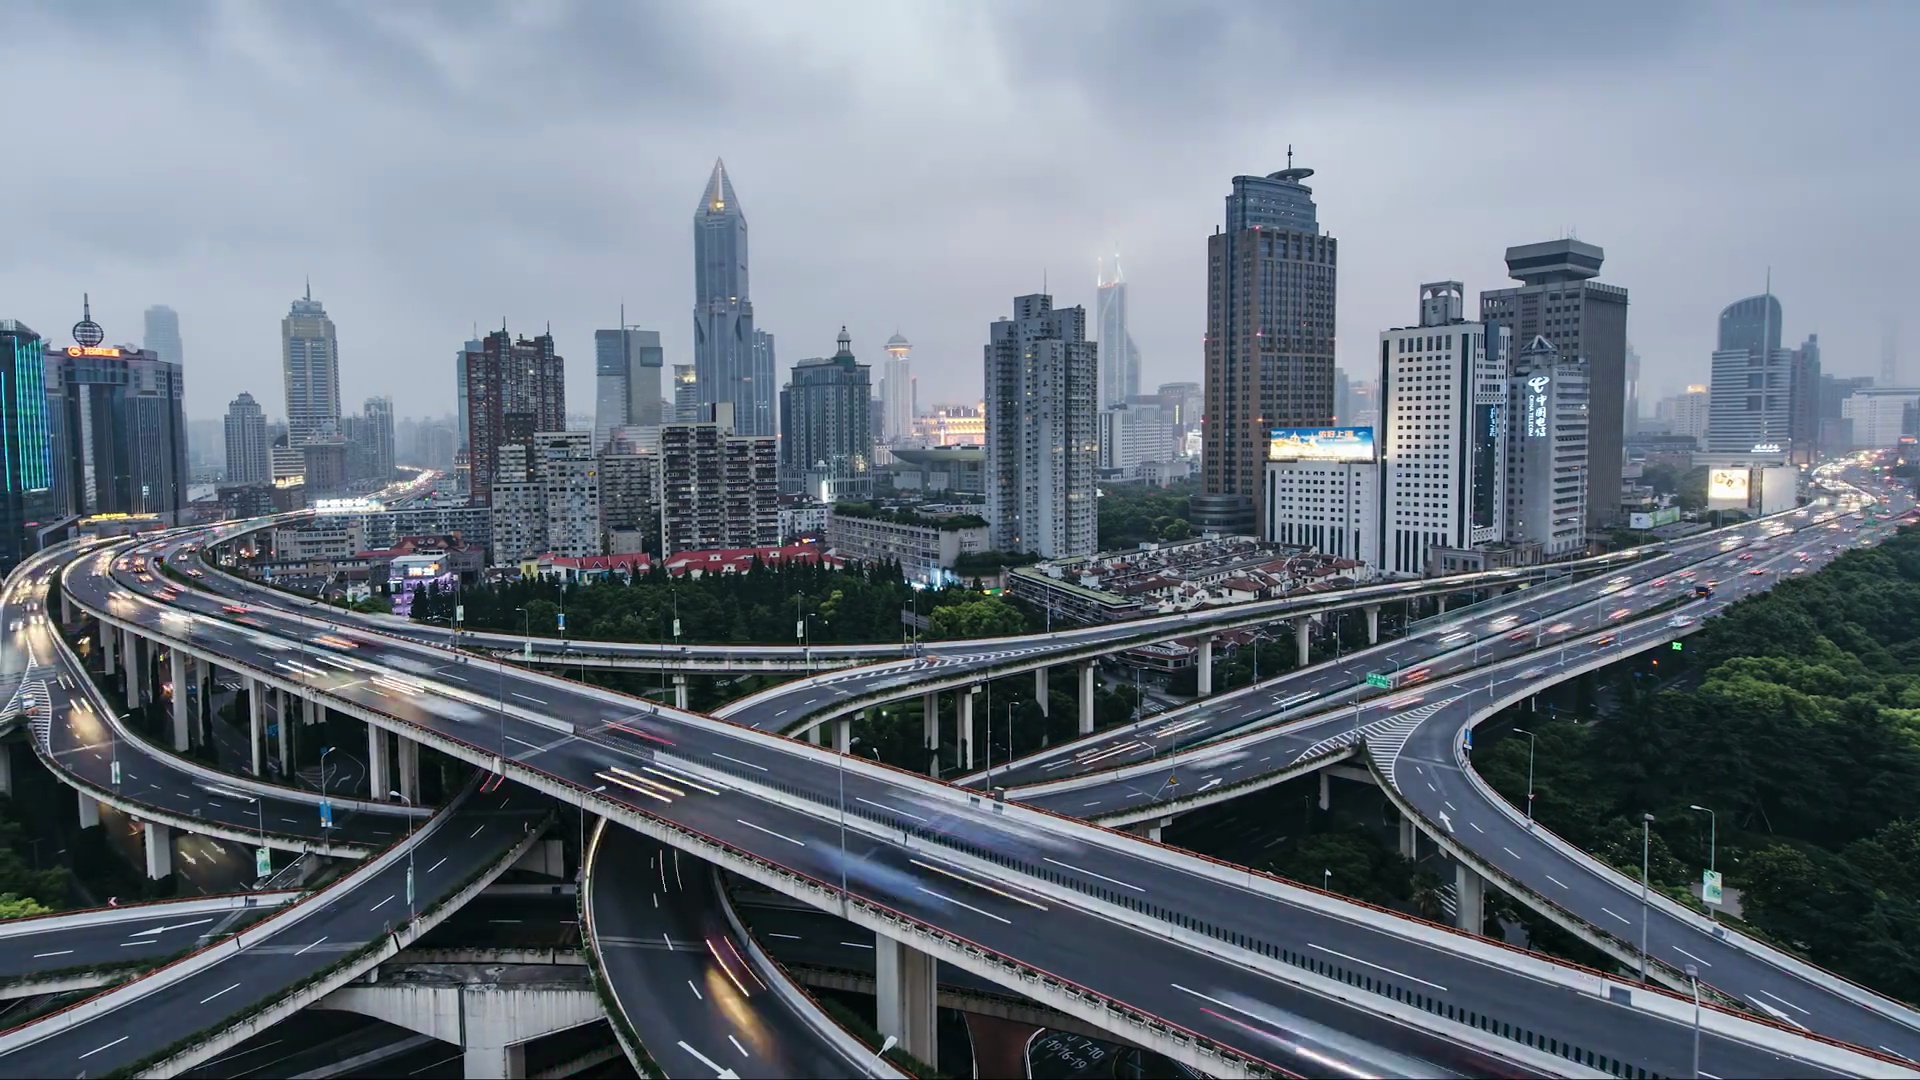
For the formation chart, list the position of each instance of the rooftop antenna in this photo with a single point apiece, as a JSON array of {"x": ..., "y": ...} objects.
[
  {"x": 309, "y": 287},
  {"x": 1289, "y": 156}
]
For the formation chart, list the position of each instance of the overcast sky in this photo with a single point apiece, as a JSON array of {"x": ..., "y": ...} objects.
[{"x": 913, "y": 165}]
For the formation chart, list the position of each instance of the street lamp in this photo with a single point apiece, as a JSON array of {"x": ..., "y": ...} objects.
[
  {"x": 1646, "y": 850},
  {"x": 324, "y": 751},
  {"x": 411, "y": 915},
  {"x": 1326, "y": 881},
  {"x": 1693, "y": 982},
  {"x": 1529, "y": 735},
  {"x": 1713, "y": 844}
]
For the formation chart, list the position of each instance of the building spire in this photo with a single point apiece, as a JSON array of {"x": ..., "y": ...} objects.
[
  {"x": 718, "y": 198},
  {"x": 309, "y": 288}
]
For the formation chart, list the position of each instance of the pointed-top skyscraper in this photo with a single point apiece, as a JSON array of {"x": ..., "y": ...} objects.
[
  {"x": 726, "y": 364},
  {"x": 1119, "y": 359}
]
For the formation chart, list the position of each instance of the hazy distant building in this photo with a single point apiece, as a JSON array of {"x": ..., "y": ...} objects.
[
  {"x": 1836, "y": 430},
  {"x": 1136, "y": 432},
  {"x": 897, "y": 392},
  {"x": 1803, "y": 424},
  {"x": 310, "y": 360},
  {"x": 515, "y": 387},
  {"x": 162, "y": 337},
  {"x": 324, "y": 465},
  {"x": 1685, "y": 413},
  {"x": 1042, "y": 381},
  {"x": 247, "y": 459},
  {"x": 1880, "y": 415},
  {"x": 732, "y": 363},
  {"x": 1558, "y": 300},
  {"x": 370, "y": 443},
  {"x": 628, "y": 366},
  {"x": 686, "y": 395},
  {"x": 1751, "y": 401},
  {"x": 1271, "y": 275},
  {"x": 1119, "y": 359},
  {"x": 826, "y": 433},
  {"x": 26, "y": 481}
]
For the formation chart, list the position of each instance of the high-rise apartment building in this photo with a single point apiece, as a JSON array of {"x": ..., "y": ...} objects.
[
  {"x": 519, "y": 505},
  {"x": 1135, "y": 432},
  {"x": 1043, "y": 439},
  {"x": 120, "y": 430},
  {"x": 162, "y": 337},
  {"x": 310, "y": 360},
  {"x": 515, "y": 387},
  {"x": 1803, "y": 424},
  {"x": 1443, "y": 421},
  {"x": 1750, "y": 406},
  {"x": 1271, "y": 276},
  {"x": 370, "y": 443},
  {"x": 826, "y": 432},
  {"x": 1558, "y": 299},
  {"x": 628, "y": 364},
  {"x": 898, "y": 402},
  {"x": 569, "y": 473},
  {"x": 1685, "y": 413},
  {"x": 247, "y": 458},
  {"x": 1119, "y": 358},
  {"x": 1546, "y": 451},
  {"x": 732, "y": 364},
  {"x": 718, "y": 489},
  {"x": 26, "y": 470},
  {"x": 627, "y": 501}
]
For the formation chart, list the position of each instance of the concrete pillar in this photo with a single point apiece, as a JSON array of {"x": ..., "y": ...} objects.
[
  {"x": 813, "y": 734},
  {"x": 1040, "y": 689},
  {"x": 407, "y": 764},
  {"x": 1443, "y": 605},
  {"x": 1373, "y": 624},
  {"x": 966, "y": 727},
  {"x": 930, "y": 731},
  {"x": 136, "y": 672},
  {"x": 109, "y": 641},
  {"x": 159, "y": 842},
  {"x": 1409, "y": 839},
  {"x": 182, "y": 724},
  {"x": 1151, "y": 829},
  {"x": 1469, "y": 899},
  {"x": 202, "y": 676},
  {"x": 905, "y": 991},
  {"x": 285, "y": 717},
  {"x": 680, "y": 692},
  {"x": 843, "y": 735},
  {"x": 6, "y": 769},
  {"x": 256, "y": 723},
  {"x": 1301, "y": 626},
  {"x": 377, "y": 773},
  {"x": 494, "y": 1062},
  {"x": 89, "y": 811},
  {"x": 1206, "y": 666},
  {"x": 1086, "y": 697},
  {"x": 1326, "y": 790}
]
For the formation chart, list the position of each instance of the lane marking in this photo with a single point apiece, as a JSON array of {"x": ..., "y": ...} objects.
[
  {"x": 969, "y": 907},
  {"x": 696, "y": 990},
  {"x": 1788, "y": 1004},
  {"x": 1378, "y": 967},
  {"x": 108, "y": 1046},
  {"x": 439, "y": 864},
  {"x": 787, "y": 937},
  {"x": 217, "y": 993},
  {"x": 770, "y": 832},
  {"x": 1556, "y": 881},
  {"x": 524, "y": 697},
  {"x": 704, "y": 1059},
  {"x": 1476, "y": 827},
  {"x": 855, "y": 945},
  {"x": 1622, "y": 918},
  {"x": 737, "y": 1046},
  {"x": 1089, "y": 873},
  {"x": 44, "y": 955},
  {"x": 889, "y": 809},
  {"x": 978, "y": 884},
  {"x": 382, "y": 903},
  {"x": 303, "y": 950},
  {"x": 1697, "y": 960},
  {"x": 737, "y": 761},
  {"x": 1515, "y": 854}
]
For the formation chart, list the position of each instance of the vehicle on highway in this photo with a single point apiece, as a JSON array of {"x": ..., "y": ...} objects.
[
  {"x": 1704, "y": 592},
  {"x": 1602, "y": 640},
  {"x": 234, "y": 609}
]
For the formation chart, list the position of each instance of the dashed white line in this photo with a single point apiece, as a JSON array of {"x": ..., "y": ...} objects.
[
  {"x": 696, "y": 990},
  {"x": 304, "y": 948},
  {"x": 1476, "y": 828},
  {"x": 737, "y": 761},
  {"x": 383, "y": 903},
  {"x": 524, "y": 697},
  {"x": 957, "y": 903},
  {"x": 217, "y": 993},
  {"x": 1556, "y": 881},
  {"x": 770, "y": 832},
  {"x": 108, "y": 1046},
  {"x": 737, "y": 1046},
  {"x": 1622, "y": 918},
  {"x": 1704, "y": 963},
  {"x": 1515, "y": 854},
  {"x": 1377, "y": 967},
  {"x": 1089, "y": 873}
]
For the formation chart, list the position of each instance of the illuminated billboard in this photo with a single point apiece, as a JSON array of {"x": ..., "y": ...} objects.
[
  {"x": 1728, "y": 489},
  {"x": 1321, "y": 444}
]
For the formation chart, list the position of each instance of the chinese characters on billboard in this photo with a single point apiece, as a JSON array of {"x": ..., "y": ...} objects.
[{"x": 1321, "y": 444}]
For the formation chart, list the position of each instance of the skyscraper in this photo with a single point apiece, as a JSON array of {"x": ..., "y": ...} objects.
[
  {"x": 120, "y": 429},
  {"x": 515, "y": 387},
  {"x": 1546, "y": 451},
  {"x": 1119, "y": 359},
  {"x": 1751, "y": 401},
  {"x": 826, "y": 433},
  {"x": 1803, "y": 426},
  {"x": 26, "y": 473},
  {"x": 310, "y": 357},
  {"x": 1043, "y": 441},
  {"x": 1558, "y": 300},
  {"x": 162, "y": 336},
  {"x": 247, "y": 458},
  {"x": 731, "y": 364},
  {"x": 897, "y": 404},
  {"x": 686, "y": 395},
  {"x": 627, "y": 366},
  {"x": 1271, "y": 277},
  {"x": 377, "y": 437}
]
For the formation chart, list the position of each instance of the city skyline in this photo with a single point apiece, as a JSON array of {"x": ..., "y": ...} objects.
[{"x": 1693, "y": 162}]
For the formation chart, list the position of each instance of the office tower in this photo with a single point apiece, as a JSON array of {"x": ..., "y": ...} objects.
[
  {"x": 728, "y": 362},
  {"x": 162, "y": 337},
  {"x": 826, "y": 433},
  {"x": 1043, "y": 439},
  {"x": 473, "y": 345},
  {"x": 1324, "y": 495},
  {"x": 515, "y": 387},
  {"x": 1630, "y": 402},
  {"x": 1751, "y": 402},
  {"x": 325, "y": 465},
  {"x": 1686, "y": 412},
  {"x": 1879, "y": 415},
  {"x": 1803, "y": 381},
  {"x": 1184, "y": 400},
  {"x": 569, "y": 474},
  {"x": 247, "y": 459},
  {"x": 1119, "y": 359},
  {"x": 897, "y": 404},
  {"x": 1558, "y": 299},
  {"x": 718, "y": 489},
  {"x": 1270, "y": 329},
  {"x": 1136, "y": 432},
  {"x": 310, "y": 358},
  {"x": 117, "y": 422},
  {"x": 370, "y": 442},
  {"x": 26, "y": 472},
  {"x": 1546, "y": 451},
  {"x": 1443, "y": 405},
  {"x": 1836, "y": 430},
  {"x": 686, "y": 395},
  {"x": 627, "y": 373}
]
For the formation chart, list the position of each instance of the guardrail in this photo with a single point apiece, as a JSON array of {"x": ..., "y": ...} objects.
[
  {"x": 623, "y": 1031},
  {"x": 157, "y": 909}
]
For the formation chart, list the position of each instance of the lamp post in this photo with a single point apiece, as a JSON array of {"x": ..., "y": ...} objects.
[
  {"x": 1530, "y": 741},
  {"x": 1693, "y": 982},
  {"x": 1326, "y": 881},
  {"x": 1713, "y": 845},
  {"x": 411, "y": 914},
  {"x": 1646, "y": 850}
]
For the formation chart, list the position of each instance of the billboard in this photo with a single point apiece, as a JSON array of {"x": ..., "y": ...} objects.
[
  {"x": 1321, "y": 444},
  {"x": 1727, "y": 489},
  {"x": 1666, "y": 515}
]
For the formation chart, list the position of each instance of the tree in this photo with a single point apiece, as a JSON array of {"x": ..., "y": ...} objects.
[{"x": 986, "y": 617}]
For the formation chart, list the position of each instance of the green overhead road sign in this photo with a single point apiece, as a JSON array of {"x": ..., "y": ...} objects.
[
  {"x": 1375, "y": 678},
  {"x": 1678, "y": 647}
]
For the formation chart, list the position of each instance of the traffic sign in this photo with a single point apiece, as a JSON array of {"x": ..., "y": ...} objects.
[
  {"x": 563, "y": 622},
  {"x": 1678, "y": 647},
  {"x": 1375, "y": 678},
  {"x": 1466, "y": 738},
  {"x": 116, "y": 772},
  {"x": 1710, "y": 887},
  {"x": 263, "y": 861},
  {"x": 409, "y": 884},
  {"x": 326, "y": 814}
]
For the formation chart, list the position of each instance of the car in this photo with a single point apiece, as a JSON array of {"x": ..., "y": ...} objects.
[
  {"x": 1601, "y": 641},
  {"x": 1559, "y": 628},
  {"x": 1659, "y": 582},
  {"x": 1758, "y": 571},
  {"x": 1680, "y": 620},
  {"x": 1619, "y": 613},
  {"x": 234, "y": 609},
  {"x": 1519, "y": 635},
  {"x": 1418, "y": 674},
  {"x": 1798, "y": 570},
  {"x": 1745, "y": 556}
]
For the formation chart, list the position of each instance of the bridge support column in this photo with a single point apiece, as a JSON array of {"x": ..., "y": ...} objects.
[
  {"x": 966, "y": 728},
  {"x": 1326, "y": 791},
  {"x": 843, "y": 735},
  {"x": 1150, "y": 829},
  {"x": 813, "y": 734},
  {"x": 905, "y": 988},
  {"x": 377, "y": 776},
  {"x": 288, "y": 705},
  {"x": 494, "y": 1062},
  {"x": 1409, "y": 837},
  {"x": 109, "y": 640},
  {"x": 159, "y": 842},
  {"x": 1086, "y": 697},
  {"x": 1469, "y": 899},
  {"x": 1443, "y": 604},
  {"x": 136, "y": 672},
  {"x": 930, "y": 731},
  {"x": 1373, "y": 624},
  {"x": 680, "y": 692},
  {"x": 1206, "y": 666},
  {"x": 182, "y": 728},
  {"x": 1040, "y": 689},
  {"x": 89, "y": 811},
  {"x": 1301, "y": 627},
  {"x": 406, "y": 764},
  {"x": 256, "y": 723}
]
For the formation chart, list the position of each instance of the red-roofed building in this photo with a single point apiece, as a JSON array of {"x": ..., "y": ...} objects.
[{"x": 741, "y": 560}]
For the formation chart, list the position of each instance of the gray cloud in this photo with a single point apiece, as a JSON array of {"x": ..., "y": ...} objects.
[{"x": 916, "y": 165}]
